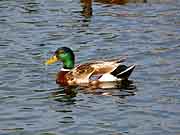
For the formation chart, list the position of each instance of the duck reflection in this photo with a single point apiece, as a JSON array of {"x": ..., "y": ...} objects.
[
  {"x": 69, "y": 92},
  {"x": 123, "y": 89}
]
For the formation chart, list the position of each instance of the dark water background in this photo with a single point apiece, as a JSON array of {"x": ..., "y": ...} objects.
[{"x": 30, "y": 102}]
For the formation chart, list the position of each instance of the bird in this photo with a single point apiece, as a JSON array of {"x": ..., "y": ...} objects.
[{"x": 91, "y": 73}]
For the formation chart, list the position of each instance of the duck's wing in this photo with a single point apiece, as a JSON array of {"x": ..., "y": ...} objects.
[
  {"x": 81, "y": 73},
  {"x": 105, "y": 67}
]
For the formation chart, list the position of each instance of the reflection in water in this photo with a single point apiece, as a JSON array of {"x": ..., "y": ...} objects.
[
  {"x": 69, "y": 106},
  {"x": 121, "y": 2},
  {"x": 68, "y": 93},
  {"x": 87, "y": 4},
  {"x": 123, "y": 89},
  {"x": 87, "y": 7}
]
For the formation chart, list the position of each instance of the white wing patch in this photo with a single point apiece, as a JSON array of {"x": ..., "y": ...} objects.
[{"x": 108, "y": 78}]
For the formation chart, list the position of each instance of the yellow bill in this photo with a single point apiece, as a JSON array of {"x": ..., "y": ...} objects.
[{"x": 52, "y": 60}]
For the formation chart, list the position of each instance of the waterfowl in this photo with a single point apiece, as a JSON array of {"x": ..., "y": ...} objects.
[{"x": 88, "y": 73}]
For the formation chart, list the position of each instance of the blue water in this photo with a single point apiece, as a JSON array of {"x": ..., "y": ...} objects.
[{"x": 31, "y": 103}]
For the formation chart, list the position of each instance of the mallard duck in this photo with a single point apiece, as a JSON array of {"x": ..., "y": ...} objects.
[{"x": 88, "y": 73}]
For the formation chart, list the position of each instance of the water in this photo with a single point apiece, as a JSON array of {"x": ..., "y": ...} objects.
[{"x": 32, "y": 104}]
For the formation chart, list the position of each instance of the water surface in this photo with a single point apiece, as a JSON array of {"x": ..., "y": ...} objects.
[{"x": 32, "y": 104}]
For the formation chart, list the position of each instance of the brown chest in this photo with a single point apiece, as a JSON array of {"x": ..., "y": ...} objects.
[{"x": 61, "y": 78}]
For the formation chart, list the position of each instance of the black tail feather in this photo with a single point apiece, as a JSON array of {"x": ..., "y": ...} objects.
[
  {"x": 119, "y": 69},
  {"x": 123, "y": 71}
]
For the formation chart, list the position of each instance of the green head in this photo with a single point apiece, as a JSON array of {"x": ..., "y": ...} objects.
[{"x": 65, "y": 55}]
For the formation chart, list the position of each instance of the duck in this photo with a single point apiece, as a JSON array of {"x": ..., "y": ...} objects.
[{"x": 92, "y": 72}]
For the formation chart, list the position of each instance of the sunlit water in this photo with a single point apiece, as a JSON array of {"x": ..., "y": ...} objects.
[{"x": 32, "y": 104}]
